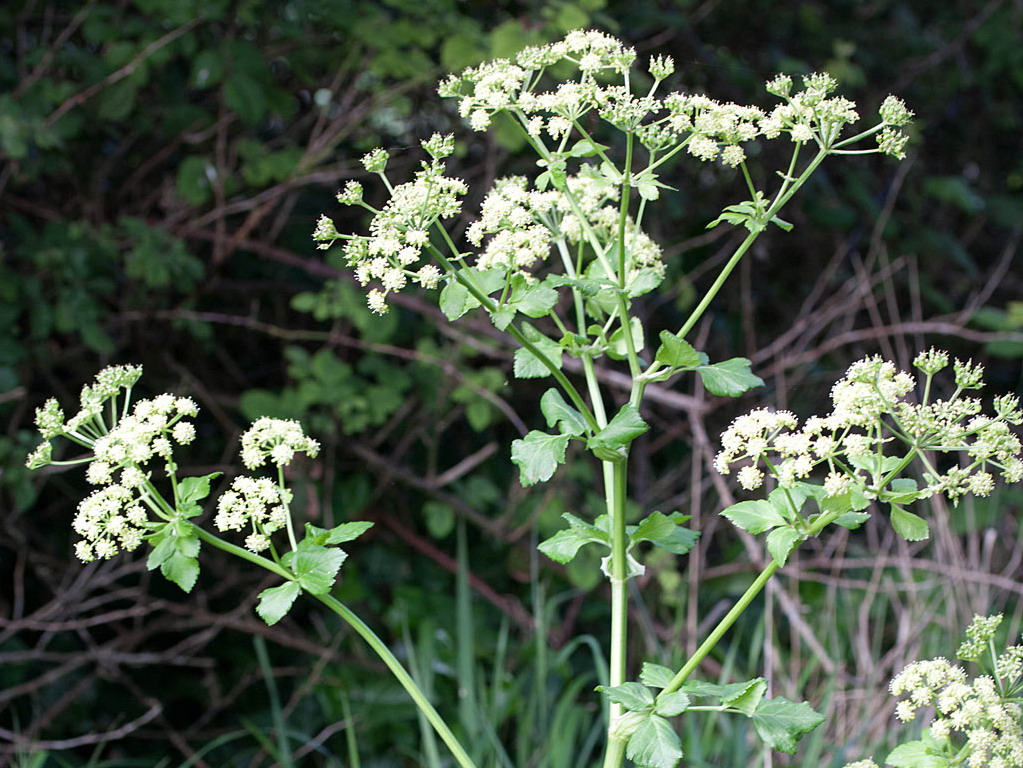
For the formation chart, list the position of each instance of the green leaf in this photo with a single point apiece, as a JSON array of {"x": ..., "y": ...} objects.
[
  {"x": 618, "y": 348},
  {"x": 612, "y": 442},
  {"x": 852, "y": 520},
  {"x": 528, "y": 365},
  {"x": 275, "y": 602},
  {"x": 748, "y": 699},
  {"x": 909, "y": 526},
  {"x": 502, "y": 317},
  {"x": 730, "y": 378},
  {"x": 336, "y": 535},
  {"x": 174, "y": 553},
  {"x": 440, "y": 518},
  {"x": 781, "y": 723},
  {"x": 781, "y": 542},
  {"x": 654, "y": 744},
  {"x": 532, "y": 299},
  {"x": 672, "y": 704},
  {"x": 196, "y": 488},
  {"x": 915, "y": 754},
  {"x": 586, "y": 148},
  {"x": 730, "y": 691},
  {"x": 635, "y": 697},
  {"x": 654, "y": 526},
  {"x": 455, "y": 300},
  {"x": 655, "y": 675},
  {"x": 903, "y": 491},
  {"x": 559, "y": 413},
  {"x": 315, "y": 567},
  {"x": 676, "y": 351},
  {"x": 564, "y": 545},
  {"x": 754, "y": 516},
  {"x": 537, "y": 455}
]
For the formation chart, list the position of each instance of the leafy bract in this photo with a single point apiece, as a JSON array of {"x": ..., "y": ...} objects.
[{"x": 527, "y": 365}]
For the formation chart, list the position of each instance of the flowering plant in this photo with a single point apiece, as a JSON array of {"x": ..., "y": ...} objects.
[{"x": 559, "y": 262}]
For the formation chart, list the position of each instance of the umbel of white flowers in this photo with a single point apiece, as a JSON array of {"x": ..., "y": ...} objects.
[
  {"x": 523, "y": 220},
  {"x": 125, "y": 440}
]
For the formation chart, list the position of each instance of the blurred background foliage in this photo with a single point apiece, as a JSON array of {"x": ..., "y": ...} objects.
[{"x": 162, "y": 164}]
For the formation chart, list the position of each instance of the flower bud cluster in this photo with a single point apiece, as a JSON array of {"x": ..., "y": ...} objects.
[
  {"x": 871, "y": 410},
  {"x": 114, "y": 517},
  {"x": 258, "y": 504},
  {"x": 399, "y": 232},
  {"x": 276, "y": 441},
  {"x": 982, "y": 713}
]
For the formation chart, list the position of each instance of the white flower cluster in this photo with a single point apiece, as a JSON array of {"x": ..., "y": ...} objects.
[
  {"x": 399, "y": 232},
  {"x": 710, "y": 129},
  {"x": 254, "y": 503},
  {"x": 122, "y": 441},
  {"x": 870, "y": 409},
  {"x": 982, "y": 712},
  {"x": 275, "y": 440},
  {"x": 509, "y": 213},
  {"x": 109, "y": 520}
]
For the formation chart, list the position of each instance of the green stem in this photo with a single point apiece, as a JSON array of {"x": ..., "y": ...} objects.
[
  {"x": 723, "y": 626},
  {"x": 367, "y": 634},
  {"x": 745, "y": 245},
  {"x": 403, "y": 677},
  {"x": 737, "y": 610},
  {"x": 615, "y": 753}
]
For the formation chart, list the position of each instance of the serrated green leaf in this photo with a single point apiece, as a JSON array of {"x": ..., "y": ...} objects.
[
  {"x": 676, "y": 351},
  {"x": 564, "y": 545},
  {"x": 654, "y": 744},
  {"x": 754, "y": 516},
  {"x": 612, "y": 442},
  {"x": 315, "y": 567},
  {"x": 559, "y": 413},
  {"x": 635, "y": 697},
  {"x": 586, "y": 148},
  {"x": 781, "y": 723},
  {"x": 656, "y": 525},
  {"x": 275, "y": 602},
  {"x": 915, "y": 754},
  {"x": 655, "y": 675},
  {"x": 455, "y": 300},
  {"x": 196, "y": 488},
  {"x": 532, "y": 299},
  {"x": 748, "y": 699},
  {"x": 903, "y": 490},
  {"x": 347, "y": 532},
  {"x": 182, "y": 569},
  {"x": 730, "y": 378},
  {"x": 618, "y": 344},
  {"x": 537, "y": 455},
  {"x": 789, "y": 501},
  {"x": 909, "y": 526},
  {"x": 502, "y": 317},
  {"x": 672, "y": 704},
  {"x": 529, "y": 366},
  {"x": 722, "y": 692},
  {"x": 781, "y": 542},
  {"x": 852, "y": 520}
]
